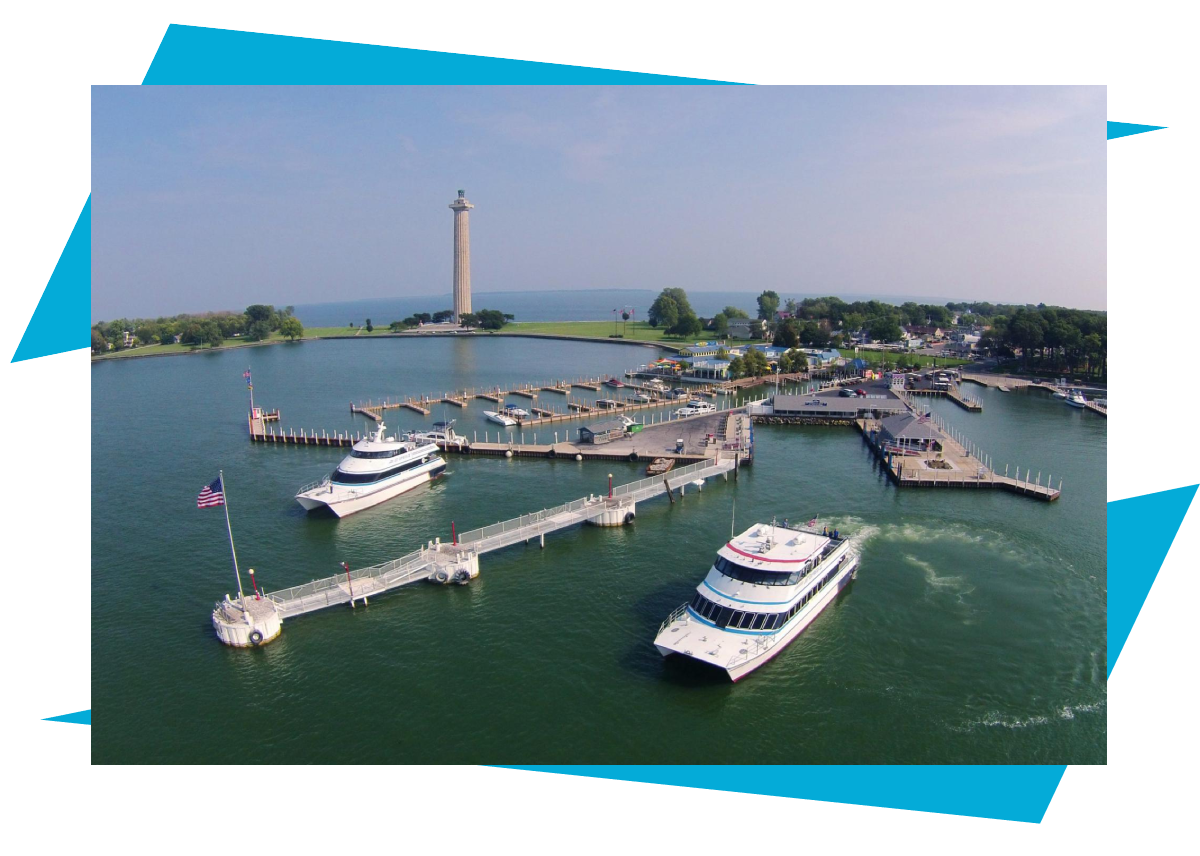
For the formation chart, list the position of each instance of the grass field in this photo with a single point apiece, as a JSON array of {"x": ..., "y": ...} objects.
[
  {"x": 153, "y": 350},
  {"x": 636, "y": 331}
]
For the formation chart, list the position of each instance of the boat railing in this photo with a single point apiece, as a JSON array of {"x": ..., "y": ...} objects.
[
  {"x": 678, "y": 613},
  {"x": 314, "y": 485}
]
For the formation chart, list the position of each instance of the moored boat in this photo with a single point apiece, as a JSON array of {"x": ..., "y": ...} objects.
[
  {"x": 614, "y": 382},
  {"x": 378, "y": 468},
  {"x": 1075, "y": 398},
  {"x": 659, "y": 466},
  {"x": 501, "y": 417}
]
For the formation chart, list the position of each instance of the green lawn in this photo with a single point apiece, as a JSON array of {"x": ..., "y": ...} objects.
[
  {"x": 875, "y": 358},
  {"x": 150, "y": 350},
  {"x": 638, "y": 331}
]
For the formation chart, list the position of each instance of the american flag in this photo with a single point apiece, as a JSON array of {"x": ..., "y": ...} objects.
[
  {"x": 246, "y": 376},
  {"x": 212, "y": 495},
  {"x": 812, "y": 522}
]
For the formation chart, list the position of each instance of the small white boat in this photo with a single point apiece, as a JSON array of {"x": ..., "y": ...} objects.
[
  {"x": 1058, "y": 393},
  {"x": 641, "y": 396},
  {"x": 1075, "y": 399},
  {"x": 696, "y": 409},
  {"x": 442, "y": 432},
  {"x": 515, "y": 412},
  {"x": 504, "y": 419},
  {"x": 1003, "y": 388}
]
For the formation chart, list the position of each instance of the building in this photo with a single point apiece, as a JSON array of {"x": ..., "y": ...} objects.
[
  {"x": 602, "y": 432},
  {"x": 462, "y": 255},
  {"x": 909, "y": 431},
  {"x": 747, "y": 328},
  {"x": 703, "y": 349}
]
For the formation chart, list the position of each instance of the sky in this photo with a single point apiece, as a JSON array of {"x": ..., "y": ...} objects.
[{"x": 209, "y": 198}]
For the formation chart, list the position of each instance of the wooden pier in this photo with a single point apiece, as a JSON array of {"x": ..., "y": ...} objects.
[
  {"x": 458, "y": 560},
  {"x": 954, "y": 465}
]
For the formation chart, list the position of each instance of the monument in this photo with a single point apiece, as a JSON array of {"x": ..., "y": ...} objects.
[{"x": 462, "y": 255}]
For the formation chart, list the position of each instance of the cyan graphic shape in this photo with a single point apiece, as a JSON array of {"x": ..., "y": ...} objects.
[
  {"x": 66, "y": 301},
  {"x": 1004, "y": 792},
  {"x": 210, "y": 55},
  {"x": 1119, "y": 130},
  {"x": 1140, "y": 532},
  {"x": 77, "y": 718}
]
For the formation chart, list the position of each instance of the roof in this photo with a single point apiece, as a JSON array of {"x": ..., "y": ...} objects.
[
  {"x": 605, "y": 426},
  {"x": 773, "y": 548},
  {"x": 906, "y": 426}
]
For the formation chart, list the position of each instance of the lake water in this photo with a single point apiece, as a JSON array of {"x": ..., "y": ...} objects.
[{"x": 975, "y": 631}]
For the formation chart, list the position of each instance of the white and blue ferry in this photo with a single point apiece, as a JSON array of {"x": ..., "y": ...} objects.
[
  {"x": 378, "y": 468},
  {"x": 765, "y": 587}
]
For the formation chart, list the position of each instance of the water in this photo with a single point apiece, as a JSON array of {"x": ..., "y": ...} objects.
[
  {"x": 975, "y": 631},
  {"x": 587, "y": 305}
]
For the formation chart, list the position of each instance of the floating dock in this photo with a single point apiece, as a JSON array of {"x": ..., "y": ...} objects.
[{"x": 258, "y": 619}]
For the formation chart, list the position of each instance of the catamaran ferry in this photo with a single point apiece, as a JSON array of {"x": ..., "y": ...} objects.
[
  {"x": 377, "y": 468},
  {"x": 765, "y": 587}
]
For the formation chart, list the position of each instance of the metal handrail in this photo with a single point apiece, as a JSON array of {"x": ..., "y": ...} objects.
[{"x": 678, "y": 611}]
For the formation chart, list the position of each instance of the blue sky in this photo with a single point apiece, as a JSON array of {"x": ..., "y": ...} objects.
[{"x": 216, "y": 197}]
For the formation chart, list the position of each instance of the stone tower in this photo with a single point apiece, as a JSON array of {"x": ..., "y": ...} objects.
[{"x": 462, "y": 255}]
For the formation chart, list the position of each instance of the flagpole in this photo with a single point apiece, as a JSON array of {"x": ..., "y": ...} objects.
[{"x": 229, "y": 529}]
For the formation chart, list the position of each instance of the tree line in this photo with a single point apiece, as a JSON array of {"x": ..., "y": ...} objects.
[
  {"x": 257, "y": 323},
  {"x": 487, "y": 319}
]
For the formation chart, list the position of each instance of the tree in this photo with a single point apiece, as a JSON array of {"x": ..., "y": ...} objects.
[
  {"x": 884, "y": 329},
  {"x": 259, "y": 331},
  {"x": 468, "y": 319},
  {"x": 737, "y": 368},
  {"x": 720, "y": 325},
  {"x": 210, "y": 334},
  {"x": 260, "y": 312},
  {"x": 490, "y": 319},
  {"x": 787, "y": 335},
  {"x": 734, "y": 312},
  {"x": 664, "y": 311},
  {"x": 768, "y": 305},
  {"x": 443, "y": 316},
  {"x": 291, "y": 327},
  {"x": 755, "y": 363},
  {"x": 99, "y": 343},
  {"x": 687, "y": 325},
  {"x": 370, "y": 327}
]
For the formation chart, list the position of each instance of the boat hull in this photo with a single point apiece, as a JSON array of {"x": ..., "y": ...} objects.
[
  {"x": 342, "y": 505},
  {"x": 786, "y": 635}
]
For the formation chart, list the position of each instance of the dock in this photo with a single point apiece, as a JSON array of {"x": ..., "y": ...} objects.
[
  {"x": 953, "y": 464},
  {"x": 240, "y": 624}
]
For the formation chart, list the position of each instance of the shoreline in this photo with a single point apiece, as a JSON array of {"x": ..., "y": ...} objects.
[{"x": 375, "y": 336}]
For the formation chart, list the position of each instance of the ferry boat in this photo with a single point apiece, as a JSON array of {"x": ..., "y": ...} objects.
[
  {"x": 765, "y": 587},
  {"x": 1075, "y": 399},
  {"x": 377, "y": 469}
]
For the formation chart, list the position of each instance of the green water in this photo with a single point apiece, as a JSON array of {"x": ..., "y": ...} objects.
[{"x": 975, "y": 631}]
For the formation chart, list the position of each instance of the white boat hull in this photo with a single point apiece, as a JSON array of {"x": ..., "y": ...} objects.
[
  {"x": 343, "y": 502},
  {"x": 778, "y": 641},
  {"x": 506, "y": 421}
]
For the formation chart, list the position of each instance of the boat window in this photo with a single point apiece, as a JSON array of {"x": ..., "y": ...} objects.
[
  {"x": 342, "y": 477},
  {"x": 761, "y": 576},
  {"x": 386, "y": 453}
]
